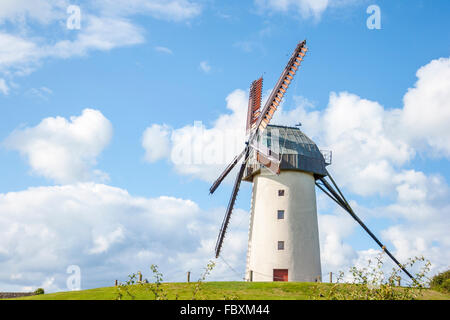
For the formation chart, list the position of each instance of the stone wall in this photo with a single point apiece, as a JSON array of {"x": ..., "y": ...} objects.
[{"x": 9, "y": 295}]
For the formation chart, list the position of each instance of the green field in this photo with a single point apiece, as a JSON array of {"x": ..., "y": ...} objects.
[{"x": 215, "y": 290}]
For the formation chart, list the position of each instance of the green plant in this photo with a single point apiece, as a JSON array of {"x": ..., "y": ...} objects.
[
  {"x": 126, "y": 288},
  {"x": 39, "y": 291},
  {"x": 441, "y": 282},
  {"x": 198, "y": 286},
  {"x": 372, "y": 283},
  {"x": 156, "y": 288},
  {"x": 446, "y": 286},
  {"x": 134, "y": 285}
]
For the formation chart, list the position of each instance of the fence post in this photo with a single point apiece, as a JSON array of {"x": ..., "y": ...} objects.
[
  {"x": 140, "y": 276},
  {"x": 331, "y": 277},
  {"x": 251, "y": 275},
  {"x": 115, "y": 283},
  {"x": 188, "y": 276}
]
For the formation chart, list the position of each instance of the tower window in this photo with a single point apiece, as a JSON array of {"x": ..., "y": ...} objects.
[
  {"x": 280, "y": 214},
  {"x": 280, "y": 245},
  {"x": 281, "y": 193}
]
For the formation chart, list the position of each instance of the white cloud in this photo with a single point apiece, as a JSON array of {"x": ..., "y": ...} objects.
[
  {"x": 42, "y": 92},
  {"x": 47, "y": 11},
  {"x": 15, "y": 50},
  {"x": 63, "y": 150},
  {"x": 205, "y": 66},
  {"x": 200, "y": 151},
  {"x": 109, "y": 234},
  {"x": 156, "y": 142},
  {"x": 334, "y": 252},
  {"x": 370, "y": 143},
  {"x": 103, "y": 242},
  {"x": 422, "y": 204},
  {"x": 100, "y": 33},
  {"x": 366, "y": 148},
  {"x": 306, "y": 8},
  {"x": 172, "y": 10},
  {"x": 42, "y": 11},
  {"x": 164, "y": 50},
  {"x": 105, "y": 25},
  {"x": 22, "y": 55},
  {"x": 426, "y": 112},
  {"x": 4, "y": 87}
]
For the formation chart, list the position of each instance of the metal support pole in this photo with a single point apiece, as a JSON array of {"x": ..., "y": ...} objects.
[{"x": 339, "y": 198}]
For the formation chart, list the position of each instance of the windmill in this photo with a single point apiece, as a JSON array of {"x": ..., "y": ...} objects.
[{"x": 285, "y": 166}]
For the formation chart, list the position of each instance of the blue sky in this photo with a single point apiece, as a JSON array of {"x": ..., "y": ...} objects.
[{"x": 147, "y": 70}]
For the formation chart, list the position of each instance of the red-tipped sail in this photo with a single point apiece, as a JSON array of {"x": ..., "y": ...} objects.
[{"x": 254, "y": 104}]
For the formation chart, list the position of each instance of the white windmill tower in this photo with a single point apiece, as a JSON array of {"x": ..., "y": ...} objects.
[
  {"x": 283, "y": 241},
  {"x": 285, "y": 166}
]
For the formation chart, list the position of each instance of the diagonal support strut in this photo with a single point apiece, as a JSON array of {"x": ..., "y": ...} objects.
[{"x": 336, "y": 195}]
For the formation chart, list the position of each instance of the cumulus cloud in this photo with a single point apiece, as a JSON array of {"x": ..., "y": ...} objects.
[
  {"x": 422, "y": 206},
  {"x": 64, "y": 150},
  {"x": 426, "y": 111},
  {"x": 334, "y": 252},
  {"x": 418, "y": 226},
  {"x": 365, "y": 146},
  {"x": 200, "y": 151},
  {"x": 109, "y": 234},
  {"x": 371, "y": 144},
  {"x": 156, "y": 142}
]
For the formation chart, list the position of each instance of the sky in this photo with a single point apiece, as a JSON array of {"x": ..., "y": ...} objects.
[{"x": 116, "y": 116}]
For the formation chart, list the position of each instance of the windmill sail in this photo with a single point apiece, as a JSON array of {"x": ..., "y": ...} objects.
[
  {"x": 282, "y": 85},
  {"x": 226, "y": 172},
  {"x": 257, "y": 121},
  {"x": 230, "y": 207},
  {"x": 254, "y": 104}
]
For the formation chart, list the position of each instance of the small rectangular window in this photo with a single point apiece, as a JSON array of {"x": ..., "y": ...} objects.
[
  {"x": 280, "y": 193},
  {"x": 280, "y": 245},
  {"x": 280, "y": 214}
]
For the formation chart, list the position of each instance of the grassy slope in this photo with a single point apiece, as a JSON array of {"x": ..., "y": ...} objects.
[{"x": 215, "y": 290}]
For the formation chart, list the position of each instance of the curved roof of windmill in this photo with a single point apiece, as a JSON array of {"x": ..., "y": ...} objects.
[{"x": 297, "y": 151}]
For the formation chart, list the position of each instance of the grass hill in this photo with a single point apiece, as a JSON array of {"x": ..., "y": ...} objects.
[{"x": 215, "y": 290}]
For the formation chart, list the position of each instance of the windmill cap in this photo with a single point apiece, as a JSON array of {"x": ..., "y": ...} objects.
[{"x": 297, "y": 151}]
